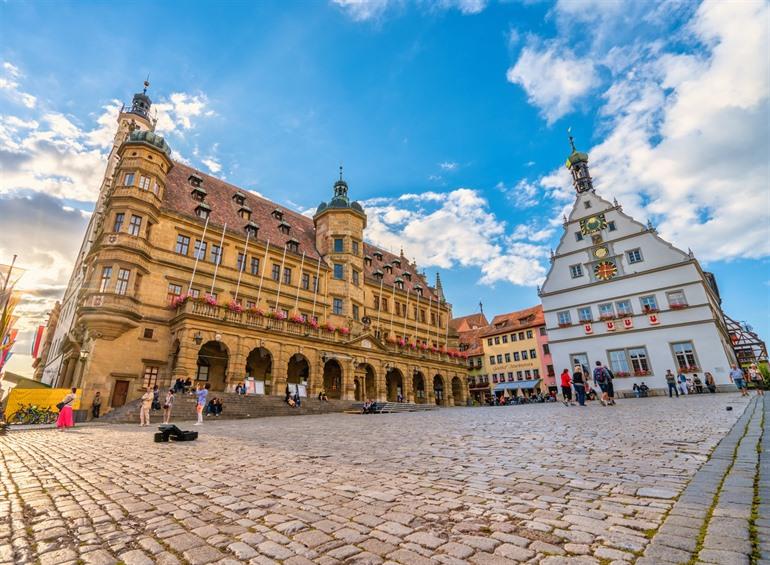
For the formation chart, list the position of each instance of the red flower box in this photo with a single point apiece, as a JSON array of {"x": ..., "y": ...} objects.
[
  {"x": 678, "y": 306},
  {"x": 564, "y": 324}
]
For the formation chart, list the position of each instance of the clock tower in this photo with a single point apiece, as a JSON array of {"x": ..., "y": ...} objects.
[{"x": 618, "y": 293}]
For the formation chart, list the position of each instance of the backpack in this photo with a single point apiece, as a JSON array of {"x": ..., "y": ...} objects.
[{"x": 600, "y": 375}]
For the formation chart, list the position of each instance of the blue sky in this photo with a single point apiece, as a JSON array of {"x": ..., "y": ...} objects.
[{"x": 450, "y": 118}]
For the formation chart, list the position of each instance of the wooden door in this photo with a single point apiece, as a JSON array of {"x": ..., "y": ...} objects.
[{"x": 119, "y": 394}]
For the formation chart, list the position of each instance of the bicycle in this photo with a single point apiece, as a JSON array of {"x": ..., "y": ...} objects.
[{"x": 31, "y": 414}]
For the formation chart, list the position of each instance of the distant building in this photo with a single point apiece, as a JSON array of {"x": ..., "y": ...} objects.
[
  {"x": 618, "y": 293},
  {"x": 468, "y": 329}
]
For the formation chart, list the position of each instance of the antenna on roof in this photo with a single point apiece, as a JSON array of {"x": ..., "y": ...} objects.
[
  {"x": 146, "y": 84},
  {"x": 571, "y": 139},
  {"x": 481, "y": 306},
  {"x": 340, "y": 171}
]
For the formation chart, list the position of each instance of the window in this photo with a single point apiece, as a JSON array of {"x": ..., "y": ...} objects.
[
  {"x": 524, "y": 355},
  {"x": 203, "y": 373},
  {"x": 254, "y": 265},
  {"x": 634, "y": 255},
  {"x": 513, "y": 337},
  {"x": 489, "y": 341},
  {"x": 528, "y": 374},
  {"x": 494, "y": 377},
  {"x": 516, "y": 356},
  {"x": 389, "y": 269},
  {"x": 505, "y": 339},
  {"x": 148, "y": 333},
  {"x": 684, "y": 354},
  {"x": 337, "y": 308},
  {"x": 521, "y": 336},
  {"x": 315, "y": 283},
  {"x": 619, "y": 362},
  {"x": 252, "y": 229},
  {"x": 533, "y": 353},
  {"x": 216, "y": 254},
  {"x": 510, "y": 376},
  {"x": 182, "y": 244},
  {"x": 144, "y": 182},
  {"x": 491, "y": 359},
  {"x": 587, "y": 204},
  {"x": 106, "y": 276},
  {"x": 576, "y": 271},
  {"x": 578, "y": 236},
  {"x": 128, "y": 180},
  {"x": 122, "y": 285},
  {"x": 119, "y": 217},
  {"x": 241, "y": 261},
  {"x": 649, "y": 304},
  {"x": 150, "y": 377},
  {"x": 676, "y": 299},
  {"x": 606, "y": 310},
  {"x": 293, "y": 245},
  {"x": 251, "y": 304},
  {"x": 543, "y": 331},
  {"x": 354, "y": 246},
  {"x": 624, "y": 308},
  {"x": 202, "y": 211},
  {"x": 611, "y": 226},
  {"x": 529, "y": 334},
  {"x": 195, "y": 293},
  {"x": 286, "y": 275},
  {"x": 584, "y": 315},
  {"x": 339, "y": 271},
  {"x": 355, "y": 312},
  {"x": 245, "y": 213},
  {"x": 519, "y": 375},
  {"x": 507, "y": 357},
  {"x": 546, "y": 349},
  {"x": 200, "y": 249},
  {"x": 135, "y": 224},
  {"x": 639, "y": 362},
  {"x": 339, "y": 245},
  {"x": 305, "y": 282},
  {"x": 174, "y": 290},
  {"x": 355, "y": 278},
  {"x": 497, "y": 340},
  {"x": 276, "y": 273}
]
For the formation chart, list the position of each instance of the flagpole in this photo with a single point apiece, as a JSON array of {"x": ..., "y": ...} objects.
[
  {"x": 406, "y": 312},
  {"x": 243, "y": 265},
  {"x": 379, "y": 310},
  {"x": 198, "y": 255},
  {"x": 219, "y": 259},
  {"x": 430, "y": 304},
  {"x": 301, "y": 267},
  {"x": 262, "y": 276},
  {"x": 446, "y": 336},
  {"x": 315, "y": 287},
  {"x": 394, "y": 308},
  {"x": 280, "y": 279}
]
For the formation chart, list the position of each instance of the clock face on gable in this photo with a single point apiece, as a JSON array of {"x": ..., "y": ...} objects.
[
  {"x": 605, "y": 270},
  {"x": 593, "y": 224}
]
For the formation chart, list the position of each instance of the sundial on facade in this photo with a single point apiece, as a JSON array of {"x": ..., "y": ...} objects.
[
  {"x": 605, "y": 270},
  {"x": 592, "y": 224},
  {"x": 601, "y": 252}
]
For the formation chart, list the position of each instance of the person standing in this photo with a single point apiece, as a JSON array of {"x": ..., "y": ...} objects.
[
  {"x": 155, "y": 398},
  {"x": 168, "y": 405},
  {"x": 201, "y": 395},
  {"x": 736, "y": 376},
  {"x": 681, "y": 380},
  {"x": 144, "y": 408},
  {"x": 671, "y": 382},
  {"x": 756, "y": 377},
  {"x": 603, "y": 380},
  {"x": 65, "y": 419},
  {"x": 96, "y": 405},
  {"x": 710, "y": 383},
  {"x": 578, "y": 381},
  {"x": 566, "y": 388}
]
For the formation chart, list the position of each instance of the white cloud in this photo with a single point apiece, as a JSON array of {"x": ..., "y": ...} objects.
[
  {"x": 553, "y": 77},
  {"x": 449, "y": 166},
  {"x": 524, "y": 194},
  {"x": 178, "y": 113},
  {"x": 212, "y": 164},
  {"x": 374, "y": 10},
  {"x": 363, "y": 10},
  {"x": 455, "y": 228},
  {"x": 9, "y": 84},
  {"x": 468, "y": 7}
]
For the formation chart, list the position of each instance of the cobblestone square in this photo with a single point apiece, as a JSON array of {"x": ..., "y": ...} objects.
[{"x": 537, "y": 484}]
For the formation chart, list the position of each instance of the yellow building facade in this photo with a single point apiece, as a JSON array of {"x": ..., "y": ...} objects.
[{"x": 188, "y": 277}]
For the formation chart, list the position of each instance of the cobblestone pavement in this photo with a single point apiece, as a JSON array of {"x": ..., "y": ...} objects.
[{"x": 537, "y": 484}]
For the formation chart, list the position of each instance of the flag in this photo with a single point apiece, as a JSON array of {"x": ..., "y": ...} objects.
[{"x": 37, "y": 341}]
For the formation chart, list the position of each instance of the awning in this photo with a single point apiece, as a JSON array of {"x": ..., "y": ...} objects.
[{"x": 515, "y": 385}]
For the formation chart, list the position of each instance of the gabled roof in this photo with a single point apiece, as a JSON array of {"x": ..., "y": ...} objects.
[
  {"x": 472, "y": 338},
  {"x": 469, "y": 322},
  {"x": 515, "y": 321}
]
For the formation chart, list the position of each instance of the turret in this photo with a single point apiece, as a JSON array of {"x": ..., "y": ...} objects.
[{"x": 577, "y": 163}]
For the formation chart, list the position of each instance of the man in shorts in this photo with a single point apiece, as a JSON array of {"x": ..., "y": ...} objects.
[
  {"x": 603, "y": 379},
  {"x": 736, "y": 376}
]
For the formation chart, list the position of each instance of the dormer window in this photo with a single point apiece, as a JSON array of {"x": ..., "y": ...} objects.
[
  {"x": 368, "y": 260},
  {"x": 277, "y": 214},
  {"x": 388, "y": 269},
  {"x": 378, "y": 255},
  {"x": 407, "y": 276},
  {"x": 203, "y": 210},
  {"x": 285, "y": 227},
  {"x": 418, "y": 289},
  {"x": 293, "y": 245},
  {"x": 399, "y": 283},
  {"x": 245, "y": 212},
  {"x": 239, "y": 198},
  {"x": 396, "y": 263},
  {"x": 195, "y": 180},
  {"x": 252, "y": 229},
  {"x": 378, "y": 274},
  {"x": 198, "y": 193}
]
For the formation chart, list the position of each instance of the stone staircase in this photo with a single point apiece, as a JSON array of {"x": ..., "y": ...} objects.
[
  {"x": 235, "y": 406},
  {"x": 394, "y": 407}
]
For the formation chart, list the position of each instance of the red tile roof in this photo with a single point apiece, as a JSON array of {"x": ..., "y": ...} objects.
[
  {"x": 224, "y": 210},
  {"x": 521, "y": 319},
  {"x": 465, "y": 323},
  {"x": 472, "y": 338}
]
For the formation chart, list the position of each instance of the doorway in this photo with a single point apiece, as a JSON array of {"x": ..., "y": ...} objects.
[{"x": 119, "y": 394}]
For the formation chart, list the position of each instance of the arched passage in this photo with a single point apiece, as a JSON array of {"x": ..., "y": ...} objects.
[
  {"x": 438, "y": 390},
  {"x": 259, "y": 367},
  {"x": 365, "y": 383},
  {"x": 457, "y": 391},
  {"x": 394, "y": 385},
  {"x": 333, "y": 379},
  {"x": 418, "y": 387},
  {"x": 298, "y": 374},
  {"x": 212, "y": 364}
]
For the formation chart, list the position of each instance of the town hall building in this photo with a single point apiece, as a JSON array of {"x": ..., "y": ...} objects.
[{"x": 616, "y": 292}]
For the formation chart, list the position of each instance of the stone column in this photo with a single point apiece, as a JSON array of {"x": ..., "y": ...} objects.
[
  {"x": 280, "y": 370},
  {"x": 236, "y": 365},
  {"x": 407, "y": 384},
  {"x": 187, "y": 358},
  {"x": 315, "y": 374},
  {"x": 348, "y": 376}
]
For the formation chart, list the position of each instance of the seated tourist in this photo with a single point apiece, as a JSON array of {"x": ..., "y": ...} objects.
[
  {"x": 644, "y": 390},
  {"x": 697, "y": 383},
  {"x": 367, "y": 407}
]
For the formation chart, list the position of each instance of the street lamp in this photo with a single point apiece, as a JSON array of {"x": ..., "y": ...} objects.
[{"x": 198, "y": 338}]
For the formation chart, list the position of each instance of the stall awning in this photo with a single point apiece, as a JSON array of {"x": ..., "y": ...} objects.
[{"x": 515, "y": 385}]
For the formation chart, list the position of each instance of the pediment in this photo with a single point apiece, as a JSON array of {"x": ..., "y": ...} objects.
[{"x": 368, "y": 341}]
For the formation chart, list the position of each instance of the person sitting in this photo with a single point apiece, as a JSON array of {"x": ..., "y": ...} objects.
[
  {"x": 297, "y": 400},
  {"x": 710, "y": 383},
  {"x": 643, "y": 390},
  {"x": 214, "y": 407},
  {"x": 697, "y": 383},
  {"x": 238, "y": 388},
  {"x": 367, "y": 407},
  {"x": 322, "y": 396},
  {"x": 187, "y": 385},
  {"x": 591, "y": 394},
  {"x": 637, "y": 390},
  {"x": 290, "y": 402}
]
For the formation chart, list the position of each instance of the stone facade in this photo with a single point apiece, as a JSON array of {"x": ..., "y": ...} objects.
[{"x": 185, "y": 276}]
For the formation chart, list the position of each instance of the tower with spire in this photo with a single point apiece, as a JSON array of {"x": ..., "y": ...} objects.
[{"x": 619, "y": 294}]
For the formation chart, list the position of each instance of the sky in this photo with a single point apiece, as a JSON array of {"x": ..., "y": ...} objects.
[{"x": 450, "y": 118}]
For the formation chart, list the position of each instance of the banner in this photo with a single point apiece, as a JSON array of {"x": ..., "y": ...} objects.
[{"x": 40, "y": 397}]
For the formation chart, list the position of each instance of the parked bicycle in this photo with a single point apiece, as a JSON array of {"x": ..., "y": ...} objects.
[{"x": 31, "y": 414}]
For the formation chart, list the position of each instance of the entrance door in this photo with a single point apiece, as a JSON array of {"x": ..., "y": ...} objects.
[{"x": 119, "y": 394}]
